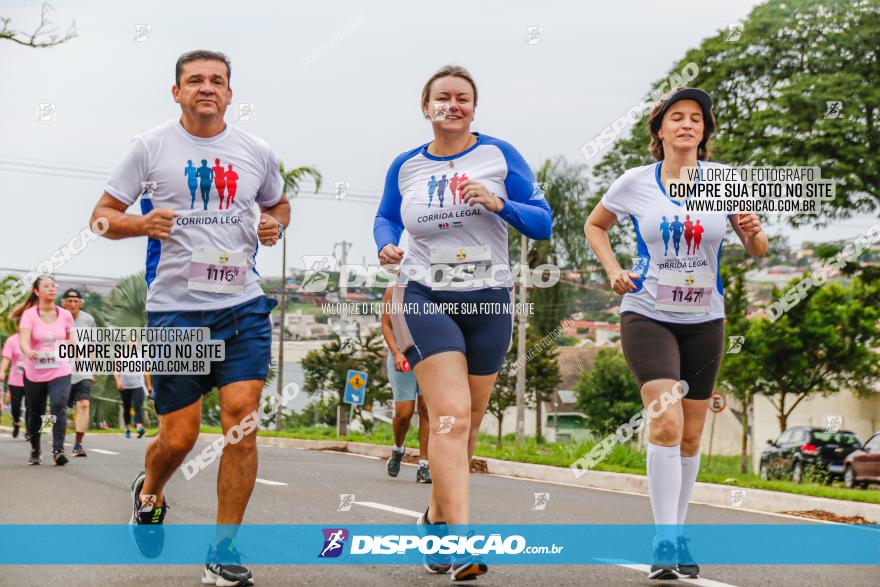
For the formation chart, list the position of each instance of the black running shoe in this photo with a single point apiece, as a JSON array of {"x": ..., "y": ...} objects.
[
  {"x": 35, "y": 459},
  {"x": 141, "y": 432},
  {"x": 59, "y": 457},
  {"x": 686, "y": 566},
  {"x": 146, "y": 520},
  {"x": 224, "y": 567},
  {"x": 468, "y": 568},
  {"x": 393, "y": 464},
  {"x": 423, "y": 475},
  {"x": 663, "y": 568},
  {"x": 78, "y": 450},
  {"x": 436, "y": 563},
  {"x": 15, "y": 427}
]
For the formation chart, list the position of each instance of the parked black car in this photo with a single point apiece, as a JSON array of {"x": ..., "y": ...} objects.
[{"x": 798, "y": 448}]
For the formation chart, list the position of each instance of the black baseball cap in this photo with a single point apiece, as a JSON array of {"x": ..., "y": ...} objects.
[
  {"x": 72, "y": 293},
  {"x": 696, "y": 94}
]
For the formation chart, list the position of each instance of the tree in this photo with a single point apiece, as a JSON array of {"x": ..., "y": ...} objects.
[
  {"x": 126, "y": 306},
  {"x": 326, "y": 369},
  {"x": 542, "y": 376},
  {"x": 608, "y": 395},
  {"x": 45, "y": 35},
  {"x": 823, "y": 344},
  {"x": 292, "y": 179},
  {"x": 771, "y": 90},
  {"x": 503, "y": 393}
]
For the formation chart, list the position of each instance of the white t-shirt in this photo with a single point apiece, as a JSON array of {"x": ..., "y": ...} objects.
[
  {"x": 83, "y": 320},
  {"x": 682, "y": 248},
  {"x": 422, "y": 195},
  {"x": 213, "y": 185}
]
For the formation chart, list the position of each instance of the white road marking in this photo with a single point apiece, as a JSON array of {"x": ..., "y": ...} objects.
[
  {"x": 102, "y": 451},
  {"x": 388, "y": 508},
  {"x": 701, "y": 581},
  {"x": 267, "y": 482}
]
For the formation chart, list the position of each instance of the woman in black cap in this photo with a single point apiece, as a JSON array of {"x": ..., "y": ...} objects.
[{"x": 672, "y": 312}]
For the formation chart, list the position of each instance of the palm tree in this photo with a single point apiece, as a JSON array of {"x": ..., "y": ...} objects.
[
  {"x": 126, "y": 306},
  {"x": 292, "y": 184}
]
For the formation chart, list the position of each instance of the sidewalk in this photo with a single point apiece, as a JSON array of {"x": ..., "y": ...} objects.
[{"x": 747, "y": 499}]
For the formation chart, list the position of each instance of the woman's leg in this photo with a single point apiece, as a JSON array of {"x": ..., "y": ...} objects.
[
  {"x": 664, "y": 413},
  {"x": 443, "y": 380},
  {"x": 694, "y": 413},
  {"x": 36, "y": 401},
  {"x": 137, "y": 401},
  {"x": 58, "y": 391},
  {"x": 126, "y": 407},
  {"x": 17, "y": 394},
  {"x": 481, "y": 391},
  {"x": 403, "y": 413}
]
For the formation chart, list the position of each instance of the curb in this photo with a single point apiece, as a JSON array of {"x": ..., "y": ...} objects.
[{"x": 759, "y": 500}]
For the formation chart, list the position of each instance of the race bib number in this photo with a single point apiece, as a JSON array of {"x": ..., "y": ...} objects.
[
  {"x": 217, "y": 271},
  {"x": 678, "y": 291},
  {"x": 46, "y": 360},
  {"x": 458, "y": 267}
]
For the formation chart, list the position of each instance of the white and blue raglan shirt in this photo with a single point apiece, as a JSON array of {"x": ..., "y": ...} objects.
[
  {"x": 422, "y": 196},
  {"x": 214, "y": 186},
  {"x": 677, "y": 243}
]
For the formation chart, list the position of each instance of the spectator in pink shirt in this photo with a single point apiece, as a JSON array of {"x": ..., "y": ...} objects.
[{"x": 42, "y": 325}]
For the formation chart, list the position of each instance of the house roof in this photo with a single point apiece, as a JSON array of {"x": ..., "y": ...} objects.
[{"x": 572, "y": 360}]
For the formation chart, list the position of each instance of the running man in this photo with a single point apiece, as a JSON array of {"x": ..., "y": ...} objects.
[
  {"x": 664, "y": 232},
  {"x": 432, "y": 187},
  {"x": 134, "y": 389},
  {"x": 42, "y": 326},
  {"x": 441, "y": 187},
  {"x": 688, "y": 232},
  {"x": 202, "y": 275},
  {"x": 219, "y": 180},
  {"x": 192, "y": 181},
  {"x": 231, "y": 185},
  {"x": 668, "y": 338},
  {"x": 456, "y": 357},
  {"x": 14, "y": 361},
  {"x": 406, "y": 394},
  {"x": 677, "y": 228},
  {"x": 453, "y": 186},
  {"x": 206, "y": 178},
  {"x": 81, "y": 382}
]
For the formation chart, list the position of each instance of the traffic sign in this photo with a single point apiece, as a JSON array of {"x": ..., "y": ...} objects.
[
  {"x": 355, "y": 387},
  {"x": 717, "y": 402}
]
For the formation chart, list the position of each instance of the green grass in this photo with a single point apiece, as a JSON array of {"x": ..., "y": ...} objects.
[{"x": 724, "y": 470}]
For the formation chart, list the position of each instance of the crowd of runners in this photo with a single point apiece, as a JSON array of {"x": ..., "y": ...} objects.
[{"x": 442, "y": 366}]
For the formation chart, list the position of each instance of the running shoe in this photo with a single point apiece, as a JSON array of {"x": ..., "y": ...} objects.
[
  {"x": 423, "y": 475},
  {"x": 35, "y": 459},
  {"x": 686, "y": 565},
  {"x": 436, "y": 563},
  {"x": 78, "y": 450},
  {"x": 59, "y": 457},
  {"x": 393, "y": 464},
  {"x": 141, "y": 432},
  {"x": 467, "y": 568},
  {"x": 223, "y": 566},
  {"x": 15, "y": 428},
  {"x": 146, "y": 520},
  {"x": 128, "y": 433},
  {"x": 663, "y": 568}
]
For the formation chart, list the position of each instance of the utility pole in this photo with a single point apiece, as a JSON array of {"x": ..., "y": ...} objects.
[
  {"x": 521, "y": 343},
  {"x": 343, "y": 280},
  {"x": 279, "y": 376}
]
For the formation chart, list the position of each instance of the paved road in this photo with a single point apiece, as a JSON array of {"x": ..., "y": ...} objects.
[{"x": 303, "y": 487}]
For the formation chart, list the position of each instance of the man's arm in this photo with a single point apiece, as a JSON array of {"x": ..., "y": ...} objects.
[
  {"x": 156, "y": 224},
  {"x": 270, "y": 218}
]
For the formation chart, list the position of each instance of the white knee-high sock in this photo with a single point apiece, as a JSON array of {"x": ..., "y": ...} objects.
[
  {"x": 690, "y": 466},
  {"x": 664, "y": 486}
]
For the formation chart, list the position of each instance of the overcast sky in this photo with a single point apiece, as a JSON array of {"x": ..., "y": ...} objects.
[{"x": 335, "y": 85}]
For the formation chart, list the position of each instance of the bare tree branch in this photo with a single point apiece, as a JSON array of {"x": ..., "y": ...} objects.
[{"x": 45, "y": 35}]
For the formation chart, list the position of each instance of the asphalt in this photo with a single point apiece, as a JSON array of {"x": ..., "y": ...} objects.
[{"x": 94, "y": 490}]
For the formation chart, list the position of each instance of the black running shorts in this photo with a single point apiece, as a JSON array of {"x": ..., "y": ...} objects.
[{"x": 664, "y": 350}]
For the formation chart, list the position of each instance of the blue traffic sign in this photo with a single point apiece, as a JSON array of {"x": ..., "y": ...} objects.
[{"x": 355, "y": 387}]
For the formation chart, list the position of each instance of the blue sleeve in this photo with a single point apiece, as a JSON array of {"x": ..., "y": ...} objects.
[
  {"x": 526, "y": 209},
  {"x": 388, "y": 225}
]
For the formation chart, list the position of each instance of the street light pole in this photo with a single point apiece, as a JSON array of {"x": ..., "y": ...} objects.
[{"x": 279, "y": 375}]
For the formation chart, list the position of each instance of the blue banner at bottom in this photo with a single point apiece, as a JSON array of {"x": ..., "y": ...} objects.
[{"x": 532, "y": 544}]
